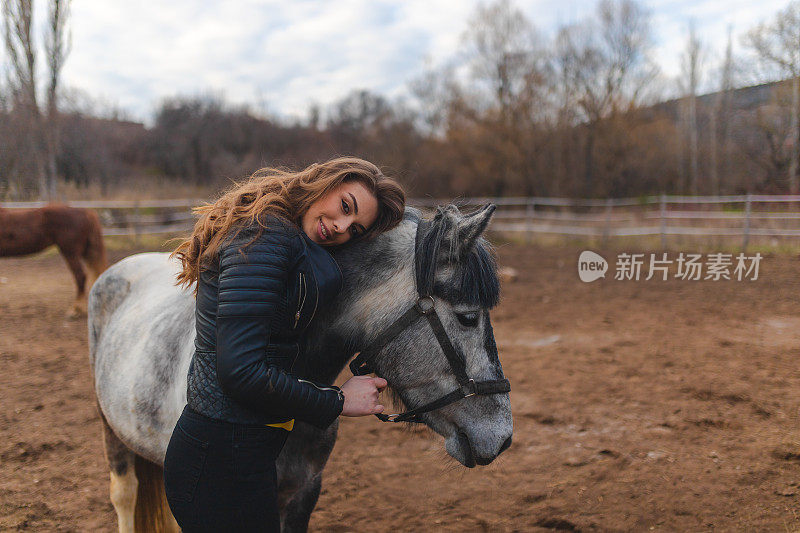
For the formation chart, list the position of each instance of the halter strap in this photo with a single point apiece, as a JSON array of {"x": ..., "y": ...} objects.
[
  {"x": 472, "y": 388},
  {"x": 425, "y": 306}
]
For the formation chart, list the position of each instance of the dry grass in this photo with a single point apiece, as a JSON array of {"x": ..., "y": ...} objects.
[{"x": 136, "y": 188}]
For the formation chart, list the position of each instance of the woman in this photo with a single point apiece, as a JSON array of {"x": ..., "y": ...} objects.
[{"x": 262, "y": 272}]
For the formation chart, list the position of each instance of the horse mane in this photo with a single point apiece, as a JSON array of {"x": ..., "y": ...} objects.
[{"x": 474, "y": 281}]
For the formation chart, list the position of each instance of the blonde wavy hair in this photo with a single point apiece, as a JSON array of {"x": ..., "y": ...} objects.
[{"x": 287, "y": 195}]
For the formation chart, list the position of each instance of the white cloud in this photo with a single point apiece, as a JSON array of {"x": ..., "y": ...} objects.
[{"x": 290, "y": 54}]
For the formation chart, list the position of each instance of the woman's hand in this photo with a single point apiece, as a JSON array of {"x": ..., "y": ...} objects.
[{"x": 361, "y": 396}]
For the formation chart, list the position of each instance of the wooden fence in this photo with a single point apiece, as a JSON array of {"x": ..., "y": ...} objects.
[
  {"x": 740, "y": 217},
  {"x": 743, "y": 216},
  {"x": 134, "y": 218}
]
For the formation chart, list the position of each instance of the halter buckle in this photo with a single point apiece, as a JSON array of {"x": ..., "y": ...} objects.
[
  {"x": 469, "y": 389},
  {"x": 426, "y": 308}
]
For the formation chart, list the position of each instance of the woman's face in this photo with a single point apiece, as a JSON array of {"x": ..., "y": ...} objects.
[{"x": 347, "y": 211}]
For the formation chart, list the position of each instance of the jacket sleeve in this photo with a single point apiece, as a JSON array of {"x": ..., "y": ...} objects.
[{"x": 251, "y": 289}]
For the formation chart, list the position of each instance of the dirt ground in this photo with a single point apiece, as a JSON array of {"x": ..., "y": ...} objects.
[{"x": 638, "y": 405}]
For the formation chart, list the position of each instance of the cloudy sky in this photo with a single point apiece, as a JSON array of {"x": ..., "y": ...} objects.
[{"x": 283, "y": 55}]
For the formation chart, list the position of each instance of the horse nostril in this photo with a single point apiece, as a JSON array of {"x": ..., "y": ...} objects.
[{"x": 505, "y": 446}]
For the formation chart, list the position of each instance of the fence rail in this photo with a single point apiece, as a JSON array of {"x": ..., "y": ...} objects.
[{"x": 742, "y": 216}]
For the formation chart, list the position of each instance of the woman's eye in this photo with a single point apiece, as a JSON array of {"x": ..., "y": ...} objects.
[
  {"x": 354, "y": 231},
  {"x": 345, "y": 207},
  {"x": 469, "y": 320}
]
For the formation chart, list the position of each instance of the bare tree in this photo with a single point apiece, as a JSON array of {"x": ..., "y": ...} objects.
[
  {"x": 728, "y": 73},
  {"x": 691, "y": 65},
  {"x": 41, "y": 127},
  {"x": 507, "y": 92},
  {"x": 503, "y": 46},
  {"x": 18, "y": 39},
  {"x": 778, "y": 45},
  {"x": 57, "y": 48},
  {"x": 720, "y": 119},
  {"x": 606, "y": 64},
  {"x": 433, "y": 90}
]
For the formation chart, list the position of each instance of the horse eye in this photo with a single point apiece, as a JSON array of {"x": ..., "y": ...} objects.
[{"x": 469, "y": 320}]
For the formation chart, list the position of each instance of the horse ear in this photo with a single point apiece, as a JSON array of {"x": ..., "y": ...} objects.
[{"x": 472, "y": 226}]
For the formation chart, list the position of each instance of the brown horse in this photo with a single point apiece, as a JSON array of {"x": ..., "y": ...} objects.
[{"x": 76, "y": 233}]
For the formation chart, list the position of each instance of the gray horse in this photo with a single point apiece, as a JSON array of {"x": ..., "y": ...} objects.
[{"x": 141, "y": 339}]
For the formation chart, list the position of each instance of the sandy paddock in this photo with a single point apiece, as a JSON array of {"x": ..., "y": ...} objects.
[{"x": 637, "y": 406}]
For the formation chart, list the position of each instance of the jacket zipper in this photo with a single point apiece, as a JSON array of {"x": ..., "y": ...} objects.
[
  {"x": 301, "y": 298},
  {"x": 316, "y": 301},
  {"x": 317, "y": 386},
  {"x": 316, "y": 286}
]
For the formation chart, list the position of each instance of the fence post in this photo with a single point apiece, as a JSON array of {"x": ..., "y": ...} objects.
[
  {"x": 607, "y": 225},
  {"x": 663, "y": 215},
  {"x": 747, "y": 209},
  {"x": 136, "y": 217},
  {"x": 529, "y": 210}
]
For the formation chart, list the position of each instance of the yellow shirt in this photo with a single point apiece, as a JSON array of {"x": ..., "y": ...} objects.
[{"x": 288, "y": 425}]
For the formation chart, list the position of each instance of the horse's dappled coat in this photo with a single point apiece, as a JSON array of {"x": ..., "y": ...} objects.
[{"x": 141, "y": 404}]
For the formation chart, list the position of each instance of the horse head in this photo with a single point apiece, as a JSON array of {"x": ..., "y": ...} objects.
[{"x": 449, "y": 262}]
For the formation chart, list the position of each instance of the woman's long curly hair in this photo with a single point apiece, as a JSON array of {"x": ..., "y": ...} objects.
[{"x": 287, "y": 195}]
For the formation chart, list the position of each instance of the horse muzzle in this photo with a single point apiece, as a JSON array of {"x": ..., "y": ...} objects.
[{"x": 472, "y": 451}]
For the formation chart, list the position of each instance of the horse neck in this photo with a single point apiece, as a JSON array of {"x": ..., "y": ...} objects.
[{"x": 378, "y": 280}]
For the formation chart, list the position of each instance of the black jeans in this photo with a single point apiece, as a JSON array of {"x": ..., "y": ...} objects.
[{"x": 220, "y": 476}]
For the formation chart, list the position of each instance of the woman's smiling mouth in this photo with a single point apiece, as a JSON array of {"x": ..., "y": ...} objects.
[{"x": 323, "y": 231}]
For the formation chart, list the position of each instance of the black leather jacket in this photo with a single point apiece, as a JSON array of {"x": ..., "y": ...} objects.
[{"x": 253, "y": 306}]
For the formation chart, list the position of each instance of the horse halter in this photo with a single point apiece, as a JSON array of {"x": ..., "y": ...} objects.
[{"x": 425, "y": 307}]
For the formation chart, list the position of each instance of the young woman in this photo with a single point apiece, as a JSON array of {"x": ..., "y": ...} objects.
[{"x": 258, "y": 258}]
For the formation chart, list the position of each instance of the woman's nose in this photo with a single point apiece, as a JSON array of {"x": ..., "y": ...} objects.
[{"x": 339, "y": 224}]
